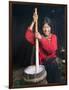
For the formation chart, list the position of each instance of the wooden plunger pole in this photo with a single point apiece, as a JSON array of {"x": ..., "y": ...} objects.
[{"x": 37, "y": 44}]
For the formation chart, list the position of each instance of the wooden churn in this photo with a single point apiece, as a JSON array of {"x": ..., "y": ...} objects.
[{"x": 35, "y": 73}]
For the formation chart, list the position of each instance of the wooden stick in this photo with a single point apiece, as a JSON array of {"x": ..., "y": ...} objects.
[{"x": 37, "y": 44}]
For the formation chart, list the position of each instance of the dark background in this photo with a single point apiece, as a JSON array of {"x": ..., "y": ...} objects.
[{"x": 22, "y": 18}]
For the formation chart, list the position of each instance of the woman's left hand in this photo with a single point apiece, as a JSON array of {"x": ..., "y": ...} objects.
[{"x": 38, "y": 35}]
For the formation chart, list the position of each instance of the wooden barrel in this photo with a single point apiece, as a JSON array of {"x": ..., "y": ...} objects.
[{"x": 31, "y": 76}]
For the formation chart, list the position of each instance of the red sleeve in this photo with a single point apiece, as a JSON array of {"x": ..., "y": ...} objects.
[
  {"x": 49, "y": 46},
  {"x": 29, "y": 36}
]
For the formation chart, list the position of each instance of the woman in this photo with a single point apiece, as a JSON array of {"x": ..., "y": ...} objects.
[{"x": 47, "y": 48}]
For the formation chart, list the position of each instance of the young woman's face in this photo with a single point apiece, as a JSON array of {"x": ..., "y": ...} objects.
[{"x": 46, "y": 29}]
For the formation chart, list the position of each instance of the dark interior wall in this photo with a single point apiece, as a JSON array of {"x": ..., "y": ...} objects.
[{"x": 22, "y": 17}]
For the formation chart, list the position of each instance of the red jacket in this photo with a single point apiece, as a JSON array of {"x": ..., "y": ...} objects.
[{"x": 47, "y": 49}]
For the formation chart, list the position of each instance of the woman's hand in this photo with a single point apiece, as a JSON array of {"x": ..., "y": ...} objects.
[
  {"x": 35, "y": 17},
  {"x": 38, "y": 35}
]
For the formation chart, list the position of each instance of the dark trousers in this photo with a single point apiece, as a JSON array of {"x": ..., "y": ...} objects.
[{"x": 53, "y": 73}]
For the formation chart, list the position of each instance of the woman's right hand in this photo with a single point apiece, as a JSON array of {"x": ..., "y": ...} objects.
[{"x": 35, "y": 17}]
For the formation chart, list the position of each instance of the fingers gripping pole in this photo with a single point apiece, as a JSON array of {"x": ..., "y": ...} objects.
[{"x": 37, "y": 44}]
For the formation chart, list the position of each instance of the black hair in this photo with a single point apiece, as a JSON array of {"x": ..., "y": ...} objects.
[{"x": 49, "y": 22}]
